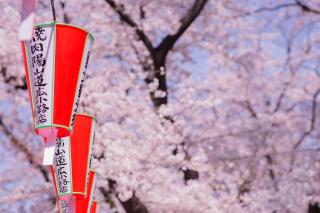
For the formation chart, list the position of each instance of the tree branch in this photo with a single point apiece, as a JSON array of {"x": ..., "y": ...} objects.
[
  {"x": 251, "y": 109},
  {"x": 10, "y": 79},
  {"x": 297, "y": 3},
  {"x": 25, "y": 150},
  {"x": 66, "y": 18},
  {"x": 132, "y": 205},
  {"x": 312, "y": 120},
  {"x": 159, "y": 53},
  {"x": 286, "y": 154},
  {"x": 124, "y": 17},
  {"x": 272, "y": 174},
  {"x": 306, "y": 8},
  {"x": 186, "y": 21}
]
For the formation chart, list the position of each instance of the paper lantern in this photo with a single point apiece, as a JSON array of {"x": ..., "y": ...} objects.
[
  {"x": 83, "y": 205},
  {"x": 73, "y": 159},
  {"x": 63, "y": 206},
  {"x": 56, "y": 60}
]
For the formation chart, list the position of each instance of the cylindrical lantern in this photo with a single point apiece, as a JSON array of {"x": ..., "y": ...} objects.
[
  {"x": 63, "y": 206},
  {"x": 83, "y": 205},
  {"x": 73, "y": 159},
  {"x": 55, "y": 61}
]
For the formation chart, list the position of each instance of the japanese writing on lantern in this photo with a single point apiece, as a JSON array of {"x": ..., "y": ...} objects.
[
  {"x": 91, "y": 149},
  {"x": 38, "y": 62},
  {"x": 91, "y": 155},
  {"x": 80, "y": 88},
  {"x": 61, "y": 163}
]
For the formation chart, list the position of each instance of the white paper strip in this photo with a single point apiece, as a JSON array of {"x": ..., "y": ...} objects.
[
  {"x": 51, "y": 135},
  {"x": 48, "y": 155}
]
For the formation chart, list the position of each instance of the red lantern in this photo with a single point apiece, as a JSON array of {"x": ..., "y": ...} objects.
[
  {"x": 83, "y": 205},
  {"x": 63, "y": 206},
  {"x": 73, "y": 159},
  {"x": 55, "y": 61}
]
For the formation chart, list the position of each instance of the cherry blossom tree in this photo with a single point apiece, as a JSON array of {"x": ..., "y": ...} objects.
[{"x": 202, "y": 106}]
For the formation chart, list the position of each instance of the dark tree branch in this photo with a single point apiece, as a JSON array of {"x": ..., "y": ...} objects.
[
  {"x": 132, "y": 205},
  {"x": 10, "y": 79},
  {"x": 313, "y": 208},
  {"x": 25, "y": 150},
  {"x": 189, "y": 174},
  {"x": 66, "y": 18},
  {"x": 159, "y": 53},
  {"x": 306, "y": 8},
  {"x": 193, "y": 12},
  {"x": 272, "y": 175},
  {"x": 279, "y": 154},
  {"x": 251, "y": 109},
  {"x": 270, "y": 9},
  {"x": 245, "y": 186},
  {"x": 119, "y": 9},
  {"x": 243, "y": 189},
  {"x": 142, "y": 12},
  {"x": 312, "y": 120},
  {"x": 279, "y": 101},
  {"x": 297, "y": 3}
]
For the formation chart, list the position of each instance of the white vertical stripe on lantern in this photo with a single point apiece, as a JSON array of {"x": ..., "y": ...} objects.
[
  {"x": 92, "y": 134},
  {"x": 62, "y": 166},
  {"x": 40, "y": 68},
  {"x": 82, "y": 75},
  {"x": 90, "y": 159}
]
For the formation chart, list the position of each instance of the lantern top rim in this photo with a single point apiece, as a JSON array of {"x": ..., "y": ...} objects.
[
  {"x": 87, "y": 115},
  {"x": 65, "y": 24}
]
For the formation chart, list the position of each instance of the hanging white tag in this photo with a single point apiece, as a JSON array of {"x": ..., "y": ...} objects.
[{"x": 49, "y": 151}]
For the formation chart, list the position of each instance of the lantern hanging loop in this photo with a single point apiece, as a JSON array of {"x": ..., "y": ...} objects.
[{"x": 53, "y": 10}]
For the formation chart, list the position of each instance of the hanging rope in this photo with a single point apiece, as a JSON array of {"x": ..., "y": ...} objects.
[{"x": 53, "y": 11}]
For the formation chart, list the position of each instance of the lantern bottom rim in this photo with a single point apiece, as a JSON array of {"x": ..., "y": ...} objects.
[{"x": 62, "y": 131}]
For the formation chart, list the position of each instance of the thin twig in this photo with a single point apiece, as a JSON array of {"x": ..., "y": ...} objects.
[{"x": 53, "y": 10}]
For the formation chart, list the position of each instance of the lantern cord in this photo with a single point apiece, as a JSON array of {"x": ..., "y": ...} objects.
[{"x": 53, "y": 10}]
